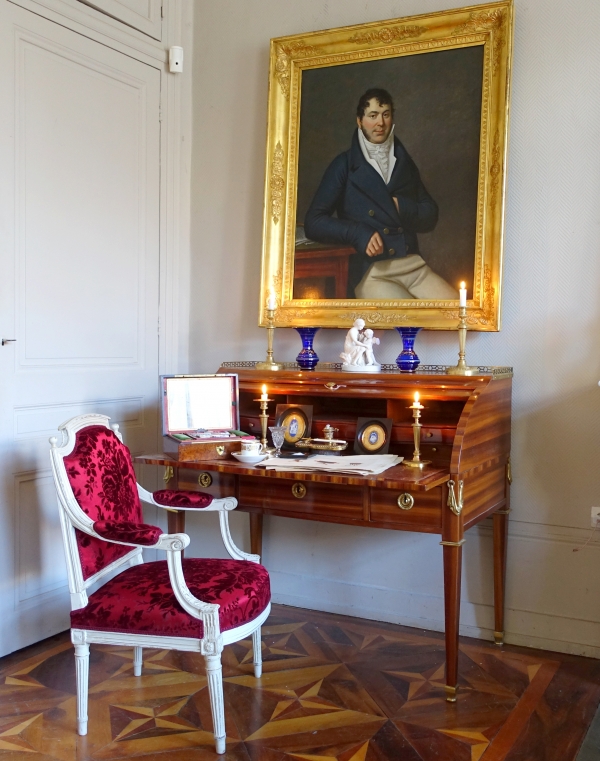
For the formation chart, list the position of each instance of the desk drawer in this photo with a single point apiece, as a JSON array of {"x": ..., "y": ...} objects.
[
  {"x": 425, "y": 513},
  {"x": 429, "y": 434},
  {"x": 220, "y": 485},
  {"x": 302, "y": 497}
]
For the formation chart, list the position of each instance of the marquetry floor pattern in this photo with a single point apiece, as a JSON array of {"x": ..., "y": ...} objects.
[{"x": 333, "y": 689}]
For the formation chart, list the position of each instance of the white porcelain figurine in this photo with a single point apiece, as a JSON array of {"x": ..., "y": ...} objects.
[{"x": 358, "y": 354}]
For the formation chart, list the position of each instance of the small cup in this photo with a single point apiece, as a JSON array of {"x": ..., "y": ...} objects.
[{"x": 252, "y": 447}]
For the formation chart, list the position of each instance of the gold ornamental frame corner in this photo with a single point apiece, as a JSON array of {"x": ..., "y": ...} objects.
[{"x": 489, "y": 25}]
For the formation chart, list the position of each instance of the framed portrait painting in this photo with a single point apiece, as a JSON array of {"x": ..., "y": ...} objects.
[{"x": 385, "y": 171}]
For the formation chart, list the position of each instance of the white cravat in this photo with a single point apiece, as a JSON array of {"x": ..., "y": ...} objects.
[{"x": 379, "y": 155}]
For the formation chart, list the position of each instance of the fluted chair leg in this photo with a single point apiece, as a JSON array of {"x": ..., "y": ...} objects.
[
  {"x": 137, "y": 661},
  {"x": 82, "y": 669},
  {"x": 257, "y": 650},
  {"x": 214, "y": 674}
]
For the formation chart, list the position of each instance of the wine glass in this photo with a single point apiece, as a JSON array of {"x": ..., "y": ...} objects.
[{"x": 278, "y": 436}]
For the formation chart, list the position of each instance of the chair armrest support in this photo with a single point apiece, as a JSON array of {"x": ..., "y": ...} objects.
[
  {"x": 212, "y": 641},
  {"x": 233, "y": 550},
  {"x": 172, "y": 542}
]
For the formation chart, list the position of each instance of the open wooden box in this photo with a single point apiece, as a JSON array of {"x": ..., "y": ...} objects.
[{"x": 200, "y": 417}]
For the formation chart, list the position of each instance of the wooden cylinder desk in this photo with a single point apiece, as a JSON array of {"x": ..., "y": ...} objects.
[{"x": 465, "y": 435}]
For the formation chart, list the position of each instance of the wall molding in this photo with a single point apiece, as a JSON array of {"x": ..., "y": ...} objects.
[
  {"x": 424, "y": 611},
  {"x": 542, "y": 532}
]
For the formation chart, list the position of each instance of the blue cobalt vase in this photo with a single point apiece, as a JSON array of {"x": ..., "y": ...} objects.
[
  {"x": 407, "y": 360},
  {"x": 307, "y": 359}
]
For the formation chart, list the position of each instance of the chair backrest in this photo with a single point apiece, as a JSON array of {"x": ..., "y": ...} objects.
[{"x": 95, "y": 481}]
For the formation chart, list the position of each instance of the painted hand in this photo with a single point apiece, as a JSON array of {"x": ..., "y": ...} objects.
[{"x": 375, "y": 245}]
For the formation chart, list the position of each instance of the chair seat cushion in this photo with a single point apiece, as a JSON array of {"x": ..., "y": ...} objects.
[
  {"x": 141, "y": 600},
  {"x": 181, "y": 498}
]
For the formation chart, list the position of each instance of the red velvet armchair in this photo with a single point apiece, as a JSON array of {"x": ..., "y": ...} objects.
[{"x": 194, "y": 604}]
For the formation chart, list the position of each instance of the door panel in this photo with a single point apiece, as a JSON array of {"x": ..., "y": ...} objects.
[
  {"x": 79, "y": 251},
  {"x": 144, "y": 15},
  {"x": 80, "y": 175}
]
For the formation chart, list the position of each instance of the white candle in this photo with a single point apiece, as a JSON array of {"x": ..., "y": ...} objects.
[
  {"x": 462, "y": 295},
  {"x": 271, "y": 301},
  {"x": 416, "y": 397},
  {"x": 264, "y": 396}
]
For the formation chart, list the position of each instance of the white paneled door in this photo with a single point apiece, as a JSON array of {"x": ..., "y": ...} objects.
[{"x": 79, "y": 258}]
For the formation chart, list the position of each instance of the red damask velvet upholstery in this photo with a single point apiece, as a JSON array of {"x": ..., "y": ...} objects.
[
  {"x": 140, "y": 599},
  {"x": 135, "y": 533},
  {"x": 101, "y": 475},
  {"x": 176, "y": 498}
]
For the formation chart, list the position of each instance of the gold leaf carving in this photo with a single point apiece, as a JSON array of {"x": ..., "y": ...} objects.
[
  {"x": 481, "y": 21},
  {"x": 282, "y": 64},
  {"x": 487, "y": 21},
  {"x": 388, "y": 34},
  {"x": 287, "y": 316},
  {"x": 277, "y": 183},
  {"x": 485, "y": 315},
  {"x": 495, "y": 169}
]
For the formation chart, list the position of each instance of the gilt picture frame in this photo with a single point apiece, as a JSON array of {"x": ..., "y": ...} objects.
[{"x": 438, "y": 212}]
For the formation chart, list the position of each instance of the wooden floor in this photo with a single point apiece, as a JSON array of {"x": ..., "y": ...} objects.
[{"x": 334, "y": 689}]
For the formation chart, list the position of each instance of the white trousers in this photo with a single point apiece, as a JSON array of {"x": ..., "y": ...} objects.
[{"x": 406, "y": 278}]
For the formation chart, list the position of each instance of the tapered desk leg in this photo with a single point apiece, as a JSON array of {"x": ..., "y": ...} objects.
[
  {"x": 256, "y": 532},
  {"x": 500, "y": 544},
  {"x": 175, "y": 518},
  {"x": 452, "y": 576},
  {"x": 176, "y": 521}
]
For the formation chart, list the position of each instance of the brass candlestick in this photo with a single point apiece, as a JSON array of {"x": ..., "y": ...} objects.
[
  {"x": 416, "y": 461},
  {"x": 269, "y": 363},
  {"x": 462, "y": 368},
  {"x": 264, "y": 422}
]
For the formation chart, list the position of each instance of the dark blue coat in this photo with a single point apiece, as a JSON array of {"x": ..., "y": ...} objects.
[{"x": 353, "y": 201}]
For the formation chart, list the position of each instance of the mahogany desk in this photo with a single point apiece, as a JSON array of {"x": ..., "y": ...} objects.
[{"x": 466, "y": 435}]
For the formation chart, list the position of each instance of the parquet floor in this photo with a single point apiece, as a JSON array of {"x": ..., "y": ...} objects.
[{"x": 333, "y": 689}]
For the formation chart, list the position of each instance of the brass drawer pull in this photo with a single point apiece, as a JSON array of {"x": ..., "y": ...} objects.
[
  {"x": 406, "y": 501},
  {"x": 205, "y": 479},
  {"x": 299, "y": 490},
  {"x": 333, "y": 386},
  {"x": 220, "y": 450}
]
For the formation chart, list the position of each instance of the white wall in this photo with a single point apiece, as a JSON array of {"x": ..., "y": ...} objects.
[{"x": 551, "y": 323}]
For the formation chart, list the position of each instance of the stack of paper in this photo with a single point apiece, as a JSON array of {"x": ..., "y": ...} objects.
[{"x": 358, "y": 465}]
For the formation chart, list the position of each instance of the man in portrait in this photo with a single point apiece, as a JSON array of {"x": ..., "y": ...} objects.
[{"x": 372, "y": 198}]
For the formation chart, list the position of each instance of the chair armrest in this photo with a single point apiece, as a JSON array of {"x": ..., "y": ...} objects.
[
  {"x": 180, "y": 499},
  {"x": 222, "y": 506},
  {"x": 126, "y": 531},
  {"x": 140, "y": 535}
]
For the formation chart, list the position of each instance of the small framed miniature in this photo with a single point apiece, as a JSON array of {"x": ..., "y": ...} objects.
[
  {"x": 373, "y": 435},
  {"x": 200, "y": 416},
  {"x": 298, "y": 419}
]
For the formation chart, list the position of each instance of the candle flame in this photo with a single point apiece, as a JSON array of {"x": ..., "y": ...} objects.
[
  {"x": 463, "y": 284},
  {"x": 264, "y": 388},
  {"x": 416, "y": 397}
]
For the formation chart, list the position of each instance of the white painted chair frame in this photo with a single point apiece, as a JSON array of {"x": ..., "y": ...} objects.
[{"x": 213, "y": 641}]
